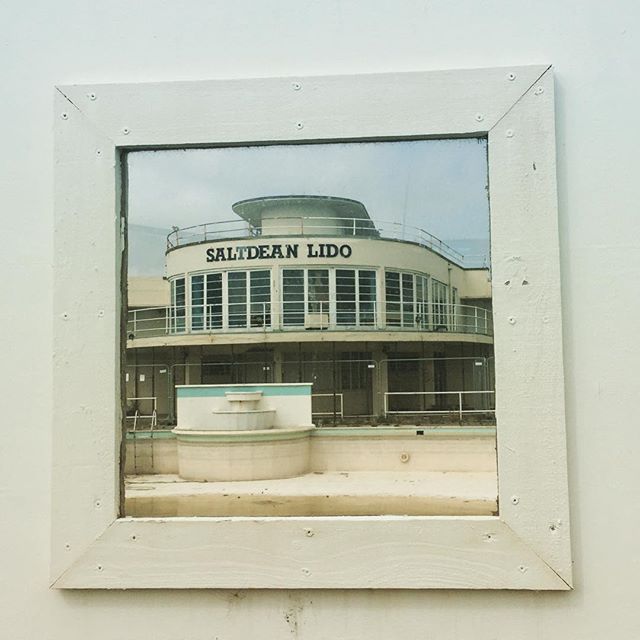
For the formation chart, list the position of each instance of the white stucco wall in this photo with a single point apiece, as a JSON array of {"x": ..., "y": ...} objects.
[
  {"x": 148, "y": 291},
  {"x": 594, "y": 47},
  {"x": 364, "y": 253}
]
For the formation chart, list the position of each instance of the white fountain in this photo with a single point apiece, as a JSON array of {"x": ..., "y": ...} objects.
[
  {"x": 243, "y": 432},
  {"x": 243, "y": 413}
]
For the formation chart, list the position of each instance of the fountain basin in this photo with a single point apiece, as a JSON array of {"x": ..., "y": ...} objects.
[{"x": 261, "y": 454}]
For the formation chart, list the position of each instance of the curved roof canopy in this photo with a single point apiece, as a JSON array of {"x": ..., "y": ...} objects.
[{"x": 255, "y": 210}]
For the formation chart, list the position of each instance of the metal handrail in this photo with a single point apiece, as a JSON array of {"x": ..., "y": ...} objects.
[
  {"x": 311, "y": 226},
  {"x": 460, "y": 411},
  {"x": 339, "y": 412},
  {"x": 333, "y": 314},
  {"x": 137, "y": 415}
]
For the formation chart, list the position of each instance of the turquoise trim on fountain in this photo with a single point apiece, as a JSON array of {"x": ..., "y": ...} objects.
[{"x": 218, "y": 391}]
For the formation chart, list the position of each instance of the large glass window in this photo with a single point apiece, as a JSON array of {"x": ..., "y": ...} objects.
[
  {"x": 318, "y": 291},
  {"x": 178, "y": 308},
  {"x": 400, "y": 296},
  {"x": 366, "y": 298},
  {"x": 214, "y": 301},
  {"x": 407, "y": 292},
  {"x": 197, "y": 303},
  {"x": 407, "y": 301},
  {"x": 439, "y": 305},
  {"x": 422, "y": 301},
  {"x": 345, "y": 297},
  {"x": 248, "y": 299},
  {"x": 355, "y": 297},
  {"x": 260, "y": 297},
  {"x": 307, "y": 302},
  {"x": 293, "y": 297},
  {"x": 206, "y": 301},
  {"x": 392, "y": 296},
  {"x": 237, "y": 298}
]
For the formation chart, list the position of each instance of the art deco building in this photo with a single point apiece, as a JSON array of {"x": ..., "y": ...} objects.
[{"x": 385, "y": 320}]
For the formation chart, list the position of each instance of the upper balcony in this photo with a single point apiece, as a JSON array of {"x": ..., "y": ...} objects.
[
  {"x": 311, "y": 216},
  {"x": 444, "y": 322}
]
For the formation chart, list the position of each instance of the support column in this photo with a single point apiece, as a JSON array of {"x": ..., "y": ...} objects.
[{"x": 277, "y": 365}]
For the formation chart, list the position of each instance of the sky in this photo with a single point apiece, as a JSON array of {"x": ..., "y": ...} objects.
[{"x": 440, "y": 186}]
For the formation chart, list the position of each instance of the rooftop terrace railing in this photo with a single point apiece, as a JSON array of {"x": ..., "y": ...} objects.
[
  {"x": 277, "y": 316},
  {"x": 310, "y": 226}
]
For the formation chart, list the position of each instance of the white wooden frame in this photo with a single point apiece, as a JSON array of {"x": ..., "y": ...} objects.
[{"x": 525, "y": 547}]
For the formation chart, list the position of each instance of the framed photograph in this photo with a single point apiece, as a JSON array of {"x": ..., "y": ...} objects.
[
  {"x": 364, "y": 341},
  {"x": 308, "y": 334}
]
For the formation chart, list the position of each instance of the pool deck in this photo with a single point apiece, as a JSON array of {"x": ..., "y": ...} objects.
[{"x": 335, "y": 493}]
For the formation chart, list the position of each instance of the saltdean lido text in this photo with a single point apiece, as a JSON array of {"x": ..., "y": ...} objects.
[{"x": 284, "y": 251}]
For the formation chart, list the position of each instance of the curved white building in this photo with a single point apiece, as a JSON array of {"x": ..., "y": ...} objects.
[{"x": 383, "y": 319}]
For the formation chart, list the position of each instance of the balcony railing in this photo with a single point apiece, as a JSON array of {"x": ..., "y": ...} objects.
[
  {"x": 438, "y": 402},
  {"x": 309, "y": 226},
  {"x": 334, "y": 315}
]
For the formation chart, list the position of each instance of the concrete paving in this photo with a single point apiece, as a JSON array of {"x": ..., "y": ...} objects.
[{"x": 316, "y": 494}]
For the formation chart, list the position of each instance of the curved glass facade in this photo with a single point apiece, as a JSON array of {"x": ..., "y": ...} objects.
[{"x": 318, "y": 298}]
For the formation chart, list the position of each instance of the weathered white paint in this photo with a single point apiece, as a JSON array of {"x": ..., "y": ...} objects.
[{"x": 594, "y": 53}]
